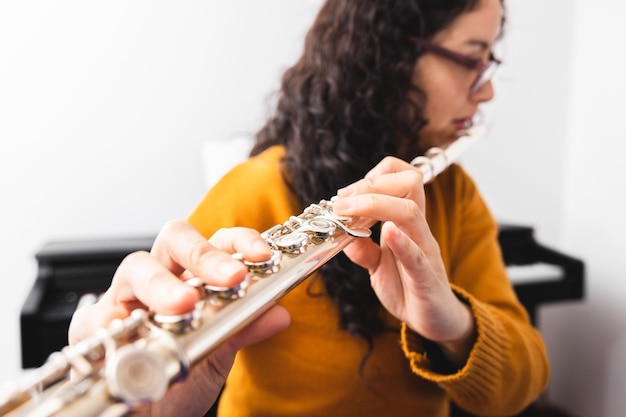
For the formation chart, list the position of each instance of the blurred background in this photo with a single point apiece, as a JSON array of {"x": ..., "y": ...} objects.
[{"x": 116, "y": 116}]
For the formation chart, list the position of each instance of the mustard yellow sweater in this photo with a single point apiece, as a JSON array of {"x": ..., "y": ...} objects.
[{"x": 312, "y": 368}]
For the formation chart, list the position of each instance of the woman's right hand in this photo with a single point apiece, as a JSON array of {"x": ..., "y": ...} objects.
[{"x": 154, "y": 281}]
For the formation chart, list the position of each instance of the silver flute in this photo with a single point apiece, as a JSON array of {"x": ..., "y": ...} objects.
[{"x": 135, "y": 361}]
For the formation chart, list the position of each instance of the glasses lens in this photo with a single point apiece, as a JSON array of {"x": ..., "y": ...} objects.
[{"x": 485, "y": 76}]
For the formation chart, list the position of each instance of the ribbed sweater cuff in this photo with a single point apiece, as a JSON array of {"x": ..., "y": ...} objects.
[{"x": 477, "y": 379}]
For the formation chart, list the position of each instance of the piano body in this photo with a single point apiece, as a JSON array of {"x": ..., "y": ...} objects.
[
  {"x": 538, "y": 273},
  {"x": 72, "y": 270},
  {"x": 68, "y": 272}
]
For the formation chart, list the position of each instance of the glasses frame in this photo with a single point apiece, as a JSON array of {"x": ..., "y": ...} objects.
[{"x": 485, "y": 70}]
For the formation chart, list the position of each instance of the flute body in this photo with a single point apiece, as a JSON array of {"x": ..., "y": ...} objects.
[{"x": 134, "y": 361}]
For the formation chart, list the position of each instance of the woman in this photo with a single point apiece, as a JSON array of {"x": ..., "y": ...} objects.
[{"x": 405, "y": 322}]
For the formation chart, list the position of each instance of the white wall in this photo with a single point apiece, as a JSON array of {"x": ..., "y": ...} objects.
[
  {"x": 553, "y": 161},
  {"x": 519, "y": 165},
  {"x": 590, "y": 339},
  {"x": 106, "y": 110},
  {"x": 556, "y": 148}
]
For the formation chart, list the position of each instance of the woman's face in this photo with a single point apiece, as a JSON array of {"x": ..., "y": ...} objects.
[{"x": 450, "y": 102}]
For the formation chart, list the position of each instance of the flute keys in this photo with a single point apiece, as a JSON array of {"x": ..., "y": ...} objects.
[
  {"x": 270, "y": 266},
  {"x": 321, "y": 227},
  {"x": 221, "y": 295},
  {"x": 293, "y": 243}
]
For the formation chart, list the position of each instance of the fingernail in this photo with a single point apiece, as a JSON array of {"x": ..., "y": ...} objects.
[
  {"x": 346, "y": 191},
  {"x": 180, "y": 292},
  {"x": 228, "y": 268},
  {"x": 261, "y": 247},
  {"x": 341, "y": 205}
]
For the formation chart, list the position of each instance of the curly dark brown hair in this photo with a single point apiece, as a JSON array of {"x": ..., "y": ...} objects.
[{"x": 345, "y": 105}]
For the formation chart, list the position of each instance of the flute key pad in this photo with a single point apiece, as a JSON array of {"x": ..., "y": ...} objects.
[
  {"x": 270, "y": 266},
  {"x": 220, "y": 295},
  {"x": 320, "y": 227},
  {"x": 294, "y": 242}
]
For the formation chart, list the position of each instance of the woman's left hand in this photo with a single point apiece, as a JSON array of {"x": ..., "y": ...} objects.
[{"x": 406, "y": 271}]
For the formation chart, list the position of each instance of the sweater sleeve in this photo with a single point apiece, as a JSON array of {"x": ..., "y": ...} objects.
[{"x": 507, "y": 367}]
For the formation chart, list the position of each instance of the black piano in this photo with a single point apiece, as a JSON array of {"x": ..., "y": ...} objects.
[
  {"x": 560, "y": 279},
  {"x": 71, "y": 271},
  {"x": 68, "y": 272}
]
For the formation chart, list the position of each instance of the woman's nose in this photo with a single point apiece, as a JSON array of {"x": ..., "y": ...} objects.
[{"x": 484, "y": 93}]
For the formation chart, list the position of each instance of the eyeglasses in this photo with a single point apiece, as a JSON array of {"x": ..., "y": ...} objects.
[{"x": 485, "y": 70}]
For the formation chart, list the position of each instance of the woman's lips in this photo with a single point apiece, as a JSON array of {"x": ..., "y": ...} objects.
[{"x": 461, "y": 124}]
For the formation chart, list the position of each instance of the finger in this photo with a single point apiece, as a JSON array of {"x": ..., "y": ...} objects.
[
  {"x": 365, "y": 253},
  {"x": 242, "y": 240},
  {"x": 408, "y": 215},
  {"x": 404, "y": 249},
  {"x": 389, "y": 281},
  {"x": 181, "y": 247},
  {"x": 86, "y": 320},
  {"x": 141, "y": 281},
  {"x": 406, "y": 184},
  {"x": 414, "y": 261},
  {"x": 389, "y": 165},
  {"x": 379, "y": 207}
]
